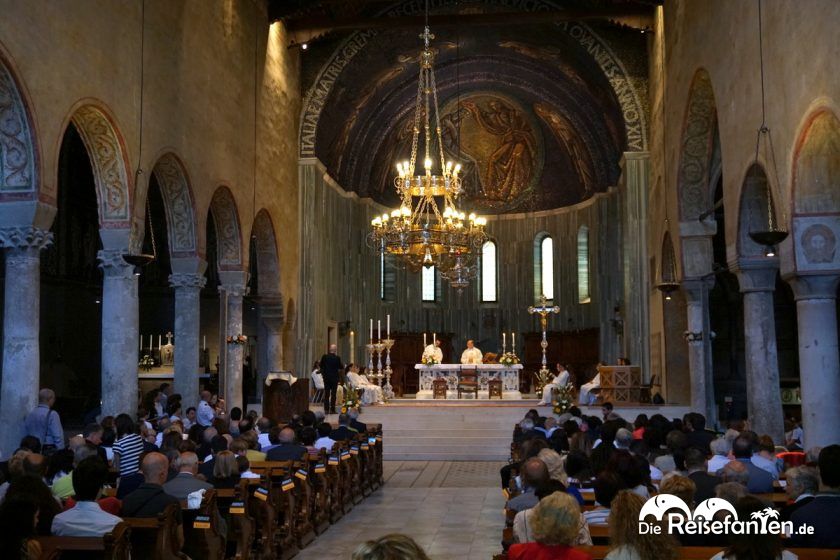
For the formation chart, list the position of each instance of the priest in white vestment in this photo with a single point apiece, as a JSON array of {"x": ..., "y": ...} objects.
[
  {"x": 560, "y": 380},
  {"x": 372, "y": 393},
  {"x": 472, "y": 355},
  {"x": 433, "y": 351},
  {"x": 586, "y": 396}
]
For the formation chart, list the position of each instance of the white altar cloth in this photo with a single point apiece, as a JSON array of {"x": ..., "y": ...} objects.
[{"x": 508, "y": 374}]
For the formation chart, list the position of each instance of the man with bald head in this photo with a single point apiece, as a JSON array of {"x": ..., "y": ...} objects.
[
  {"x": 150, "y": 499},
  {"x": 288, "y": 449},
  {"x": 43, "y": 422},
  {"x": 185, "y": 482},
  {"x": 331, "y": 365},
  {"x": 534, "y": 475}
]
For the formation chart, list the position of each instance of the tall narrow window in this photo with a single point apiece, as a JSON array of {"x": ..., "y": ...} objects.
[
  {"x": 428, "y": 287},
  {"x": 387, "y": 277},
  {"x": 382, "y": 276},
  {"x": 488, "y": 271},
  {"x": 583, "y": 264},
  {"x": 544, "y": 267}
]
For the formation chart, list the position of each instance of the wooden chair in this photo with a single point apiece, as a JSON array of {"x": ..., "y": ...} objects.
[
  {"x": 494, "y": 387},
  {"x": 439, "y": 388},
  {"x": 468, "y": 382},
  {"x": 156, "y": 538},
  {"x": 112, "y": 546},
  {"x": 646, "y": 390}
]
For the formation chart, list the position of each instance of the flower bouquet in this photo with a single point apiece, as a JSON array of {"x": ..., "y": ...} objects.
[
  {"x": 509, "y": 359},
  {"x": 542, "y": 377},
  {"x": 238, "y": 339},
  {"x": 146, "y": 363},
  {"x": 351, "y": 399},
  {"x": 428, "y": 360},
  {"x": 564, "y": 399}
]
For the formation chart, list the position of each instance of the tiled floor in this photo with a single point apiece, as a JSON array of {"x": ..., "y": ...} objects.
[{"x": 452, "y": 509}]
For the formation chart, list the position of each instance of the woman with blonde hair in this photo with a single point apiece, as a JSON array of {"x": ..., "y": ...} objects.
[
  {"x": 554, "y": 527},
  {"x": 626, "y": 542},
  {"x": 225, "y": 470},
  {"x": 390, "y": 547},
  {"x": 554, "y": 462}
]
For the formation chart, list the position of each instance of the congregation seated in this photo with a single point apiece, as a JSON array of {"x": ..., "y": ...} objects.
[
  {"x": 244, "y": 468},
  {"x": 764, "y": 456},
  {"x": 360, "y": 427},
  {"x": 704, "y": 483},
  {"x": 721, "y": 448},
  {"x": 186, "y": 481},
  {"x": 607, "y": 486},
  {"x": 308, "y": 436},
  {"x": 250, "y": 438},
  {"x": 390, "y": 547},
  {"x": 803, "y": 483},
  {"x": 554, "y": 463},
  {"x": 626, "y": 541},
  {"x": 18, "y": 517},
  {"x": 523, "y": 521},
  {"x": 759, "y": 481},
  {"x": 63, "y": 487},
  {"x": 344, "y": 432},
  {"x": 747, "y": 546},
  {"x": 128, "y": 446},
  {"x": 150, "y": 499},
  {"x": 697, "y": 436},
  {"x": 226, "y": 469},
  {"x": 822, "y": 512},
  {"x": 263, "y": 429},
  {"x": 93, "y": 434},
  {"x": 324, "y": 440},
  {"x": 534, "y": 474},
  {"x": 288, "y": 449},
  {"x": 217, "y": 445},
  {"x": 32, "y": 487},
  {"x": 555, "y": 524},
  {"x": 86, "y": 518}
]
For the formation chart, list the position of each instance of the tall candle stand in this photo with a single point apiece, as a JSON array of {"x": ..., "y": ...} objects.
[
  {"x": 543, "y": 310},
  {"x": 387, "y": 389}
]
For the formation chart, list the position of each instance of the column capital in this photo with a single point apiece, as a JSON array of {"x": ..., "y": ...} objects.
[
  {"x": 237, "y": 290},
  {"x": 821, "y": 286},
  {"x": 112, "y": 263},
  {"x": 756, "y": 275},
  {"x": 25, "y": 237},
  {"x": 187, "y": 280}
]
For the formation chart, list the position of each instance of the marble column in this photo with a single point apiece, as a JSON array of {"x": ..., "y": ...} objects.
[
  {"x": 21, "y": 322},
  {"x": 819, "y": 362},
  {"x": 699, "y": 347},
  {"x": 230, "y": 296},
  {"x": 187, "y": 325},
  {"x": 271, "y": 340},
  {"x": 764, "y": 400},
  {"x": 120, "y": 333}
]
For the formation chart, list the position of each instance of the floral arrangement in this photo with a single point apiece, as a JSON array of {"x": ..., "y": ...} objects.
[
  {"x": 146, "y": 363},
  {"x": 543, "y": 377},
  {"x": 351, "y": 399},
  {"x": 238, "y": 339},
  {"x": 509, "y": 359},
  {"x": 428, "y": 360},
  {"x": 564, "y": 399}
]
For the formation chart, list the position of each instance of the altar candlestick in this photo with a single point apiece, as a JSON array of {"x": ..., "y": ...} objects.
[
  {"x": 388, "y": 328},
  {"x": 378, "y": 329}
]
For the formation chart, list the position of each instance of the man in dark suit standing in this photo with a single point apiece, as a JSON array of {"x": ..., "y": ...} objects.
[{"x": 330, "y": 367}]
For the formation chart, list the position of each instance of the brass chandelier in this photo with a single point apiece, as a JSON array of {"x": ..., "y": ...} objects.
[{"x": 418, "y": 232}]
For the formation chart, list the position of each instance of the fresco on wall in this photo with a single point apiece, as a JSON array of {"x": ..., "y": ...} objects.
[
  {"x": 816, "y": 243},
  {"x": 527, "y": 111}
]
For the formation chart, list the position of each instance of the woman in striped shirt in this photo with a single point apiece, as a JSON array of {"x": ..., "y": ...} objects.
[{"x": 128, "y": 447}]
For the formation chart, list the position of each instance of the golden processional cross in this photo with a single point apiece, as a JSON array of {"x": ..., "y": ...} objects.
[{"x": 543, "y": 310}]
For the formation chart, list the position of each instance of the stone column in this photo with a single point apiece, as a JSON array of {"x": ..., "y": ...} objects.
[
  {"x": 120, "y": 333},
  {"x": 187, "y": 325},
  {"x": 231, "y": 292},
  {"x": 764, "y": 400},
  {"x": 21, "y": 327},
  {"x": 699, "y": 347},
  {"x": 271, "y": 340},
  {"x": 819, "y": 363}
]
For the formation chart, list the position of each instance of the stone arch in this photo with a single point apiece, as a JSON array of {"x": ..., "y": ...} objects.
[
  {"x": 19, "y": 156},
  {"x": 816, "y": 197},
  {"x": 228, "y": 230},
  {"x": 109, "y": 160},
  {"x": 179, "y": 203},
  {"x": 268, "y": 265},
  {"x": 697, "y": 147},
  {"x": 754, "y": 209}
]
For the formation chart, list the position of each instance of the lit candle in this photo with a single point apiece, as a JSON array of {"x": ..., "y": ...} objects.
[
  {"x": 434, "y": 337},
  {"x": 141, "y": 342},
  {"x": 150, "y": 344},
  {"x": 204, "y": 343},
  {"x": 513, "y": 342},
  {"x": 424, "y": 341},
  {"x": 388, "y": 328},
  {"x": 352, "y": 347},
  {"x": 378, "y": 329},
  {"x": 504, "y": 342},
  {"x": 371, "y": 331},
  {"x": 159, "y": 339}
]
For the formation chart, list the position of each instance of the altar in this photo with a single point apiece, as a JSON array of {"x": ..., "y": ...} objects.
[{"x": 509, "y": 376}]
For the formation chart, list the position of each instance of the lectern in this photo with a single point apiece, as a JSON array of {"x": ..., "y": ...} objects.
[{"x": 282, "y": 399}]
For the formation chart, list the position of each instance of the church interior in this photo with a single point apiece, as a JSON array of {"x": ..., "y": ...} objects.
[{"x": 434, "y": 226}]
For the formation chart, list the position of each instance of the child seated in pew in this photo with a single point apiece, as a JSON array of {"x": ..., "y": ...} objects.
[{"x": 244, "y": 467}]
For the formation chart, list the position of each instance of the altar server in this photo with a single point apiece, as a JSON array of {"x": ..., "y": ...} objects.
[
  {"x": 433, "y": 351},
  {"x": 561, "y": 379},
  {"x": 372, "y": 393},
  {"x": 586, "y": 396},
  {"x": 471, "y": 355}
]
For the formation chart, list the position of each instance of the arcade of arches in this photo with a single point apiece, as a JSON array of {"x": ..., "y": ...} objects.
[{"x": 203, "y": 133}]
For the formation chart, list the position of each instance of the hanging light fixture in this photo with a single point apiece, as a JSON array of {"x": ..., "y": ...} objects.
[
  {"x": 428, "y": 229},
  {"x": 773, "y": 235}
]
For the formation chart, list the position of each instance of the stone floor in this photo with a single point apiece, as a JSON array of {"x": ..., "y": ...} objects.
[{"x": 453, "y": 509}]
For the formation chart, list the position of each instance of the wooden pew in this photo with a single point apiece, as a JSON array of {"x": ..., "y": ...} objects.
[
  {"x": 155, "y": 538},
  {"x": 320, "y": 492},
  {"x": 112, "y": 546},
  {"x": 203, "y": 534},
  {"x": 241, "y": 525}
]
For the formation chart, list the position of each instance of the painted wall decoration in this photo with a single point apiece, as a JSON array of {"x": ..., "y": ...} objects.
[
  {"x": 538, "y": 116},
  {"x": 816, "y": 239}
]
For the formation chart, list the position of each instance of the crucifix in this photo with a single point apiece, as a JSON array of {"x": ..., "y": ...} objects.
[
  {"x": 169, "y": 336},
  {"x": 543, "y": 310}
]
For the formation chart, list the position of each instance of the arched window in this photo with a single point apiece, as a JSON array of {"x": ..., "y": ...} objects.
[
  {"x": 583, "y": 264},
  {"x": 488, "y": 271},
  {"x": 544, "y": 267},
  {"x": 428, "y": 285}
]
